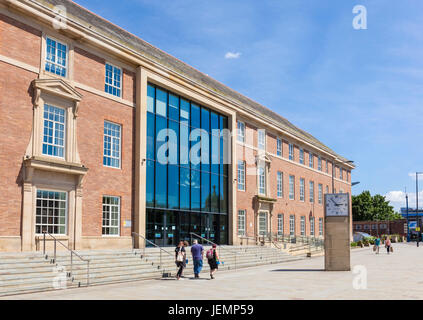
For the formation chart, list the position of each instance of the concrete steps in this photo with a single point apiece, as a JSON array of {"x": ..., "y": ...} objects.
[{"x": 24, "y": 273}]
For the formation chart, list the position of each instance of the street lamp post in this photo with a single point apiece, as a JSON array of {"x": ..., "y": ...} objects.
[
  {"x": 417, "y": 206},
  {"x": 408, "y": 228}
]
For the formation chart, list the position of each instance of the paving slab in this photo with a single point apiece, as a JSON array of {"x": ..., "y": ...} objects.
[{"x": 382, "y": 276}]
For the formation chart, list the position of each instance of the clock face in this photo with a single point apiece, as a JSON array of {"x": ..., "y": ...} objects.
[{"x": 337, "y": 204}]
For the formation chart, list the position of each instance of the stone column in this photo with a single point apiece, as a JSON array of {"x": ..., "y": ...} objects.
[
  {"x": 139, "y": 218},
  {"x": 27, "y": 232}
]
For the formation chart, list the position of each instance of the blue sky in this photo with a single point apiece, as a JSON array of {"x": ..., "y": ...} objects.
[{"x": 359, "y": 91}]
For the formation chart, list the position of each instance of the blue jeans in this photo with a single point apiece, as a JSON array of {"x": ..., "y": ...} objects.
[{"x": 198, "y": 265}]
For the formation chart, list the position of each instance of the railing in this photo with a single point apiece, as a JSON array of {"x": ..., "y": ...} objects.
[
  {"x": 72, "y": 253},
  {"x": 301, "y": 242},
  {"x": 154, "y": 245},
  {"x": 222, "y": 248}
]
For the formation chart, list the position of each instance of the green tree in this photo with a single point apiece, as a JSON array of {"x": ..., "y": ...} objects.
[
  {"x": 366, "y": 207},
  {"x": 362, "y": 206}
]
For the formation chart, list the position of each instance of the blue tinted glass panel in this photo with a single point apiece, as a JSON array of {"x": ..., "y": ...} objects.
[
  {"x": 161, "y": 185},
  {"x": 150, "y": 98},
  {"x": 195, "y": 190},
  {"x": 214, "y": 193},
  {"x": 205, "y": 151},
  {"x": 195, "y": 149},
  {"x": 173, "y": 107},
  {"x": 214, "y": 121},
  {"x": 185, "y": 111},
  {"x": 184, "y": 188},
  {"x": 150, "y": 184},
  {"x": 173, "y": 185},
  {"x": 150, "y": 136},
  {"x": 184, "y": 145},
  {"x": 161, "y": 124},
  {"x": 205, "y": 192},
  {"x": 173, "y": 142},
  {"x": 215, "y": 154},
  {"x": 161, "y": 102},
  {"x": 195, "y": 116},
  {"x": 205, "y": 119}
]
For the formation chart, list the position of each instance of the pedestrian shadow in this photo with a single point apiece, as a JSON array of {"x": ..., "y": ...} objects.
[{"x": 297, "y": 270}]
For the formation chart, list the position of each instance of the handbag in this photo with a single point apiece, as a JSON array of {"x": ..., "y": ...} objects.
[
  {"x": 374, "y": 248},
  {"x": 180, "y": 257},
  {"x": 391, "y": 249}
]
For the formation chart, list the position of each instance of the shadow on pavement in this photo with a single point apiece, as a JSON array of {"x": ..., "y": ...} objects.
[{"x": 298, "y": 270}]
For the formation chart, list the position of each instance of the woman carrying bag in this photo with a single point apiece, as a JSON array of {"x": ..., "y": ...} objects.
[
  {"x": 213, "y": 260},
  {"x": 180, "y": 259}
]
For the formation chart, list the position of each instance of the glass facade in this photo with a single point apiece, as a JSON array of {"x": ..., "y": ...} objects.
[{"x": 187, "y": 177}]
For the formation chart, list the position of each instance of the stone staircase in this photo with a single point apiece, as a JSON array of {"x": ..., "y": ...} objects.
[{"x": 32, "y": 272}]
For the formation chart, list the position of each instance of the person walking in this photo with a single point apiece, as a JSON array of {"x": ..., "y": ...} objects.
[
  {"x": 197, "y": 252},
  {"x": 377, "y": 245},
  {"x": 212, "y": 259},
  {"x": 388, "y": 244},
  {"x": 180, "y": 259}
]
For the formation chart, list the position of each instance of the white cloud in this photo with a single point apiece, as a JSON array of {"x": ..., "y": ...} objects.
[
  {"x": 232, "y": 55},
  {"x": 413, "y": 176},
  {"x": 397, "y": 199}
]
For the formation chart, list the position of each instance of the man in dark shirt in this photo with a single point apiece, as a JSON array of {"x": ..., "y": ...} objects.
[{"x": 197, "y": 252}]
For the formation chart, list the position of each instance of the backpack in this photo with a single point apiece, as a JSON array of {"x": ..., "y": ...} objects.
[{"x": 209, "y": 254}]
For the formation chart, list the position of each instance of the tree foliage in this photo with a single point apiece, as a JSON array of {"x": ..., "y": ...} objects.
[{"x": 366, "y": 207}]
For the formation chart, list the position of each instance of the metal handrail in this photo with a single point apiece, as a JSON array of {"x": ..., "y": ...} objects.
[
  {"x": 209, "y": 241},
  {"x": 71, "y": 254},
  {"x": 152, "y": 243}
]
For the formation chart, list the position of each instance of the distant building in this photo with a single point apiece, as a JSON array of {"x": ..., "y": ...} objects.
[{"x": 375, "y": 228}]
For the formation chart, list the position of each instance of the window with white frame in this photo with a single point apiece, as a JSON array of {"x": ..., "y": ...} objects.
[
  {"x": 320, "y": 193},
  {"x": 319, "y": 163},
  {"x": 241, "y": 222},
  {"x": 51, "y": 212},
  {"x": 263, "y": 223},
  {"x": 311, "y": 191},
  {"x": 56, "y": 57},
  {"x": 280, "y": 224},
  {"x": 311, "y": 160},
  {"x": 291, "y": 151},
  {"x": 241, "y": 175},
  {"x": 341, "y": 174},
  {"x": 302, "y": 186},
  {"x": 312, "y": 226},
  {"x": 278, "y": 147},
  {"x": 113, "y": 83},
  {"x": 54, "y": 135},
  {"x": 303, "y": 226},
  {"x": 280, "y": 184},
  {"x": 292, "y": 225},
  {"x": 262, "y": 180},
  {"x": 320, "y": 226},
  {"x": 112, "y": 138},
  {"x": 327, "y": 166},
  {"x": 291, "y": 187},
  {"x": 111, "y": 216},
  {"x": 241, "y": 131},
  {"x": 262, "y": 139},
  {"x": 301, "y": 155}
]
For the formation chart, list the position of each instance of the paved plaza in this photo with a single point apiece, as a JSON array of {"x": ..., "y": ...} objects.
[{"x": 394, "y": 276}]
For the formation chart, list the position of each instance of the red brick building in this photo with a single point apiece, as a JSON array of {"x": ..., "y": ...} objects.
[
  {"x": 74, "y": 106},
  {"x": 375, "y": 228}
]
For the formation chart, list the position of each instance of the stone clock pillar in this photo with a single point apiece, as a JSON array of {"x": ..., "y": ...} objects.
[{"x": 337, "y": 232}]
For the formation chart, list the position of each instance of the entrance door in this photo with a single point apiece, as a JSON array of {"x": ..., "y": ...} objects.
[
  {"x": 262, "y": 223},
  {"x": 162, "y": 228},
  {"x": 212, "y": 227},
  {"x": 170, "y": 236}
]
